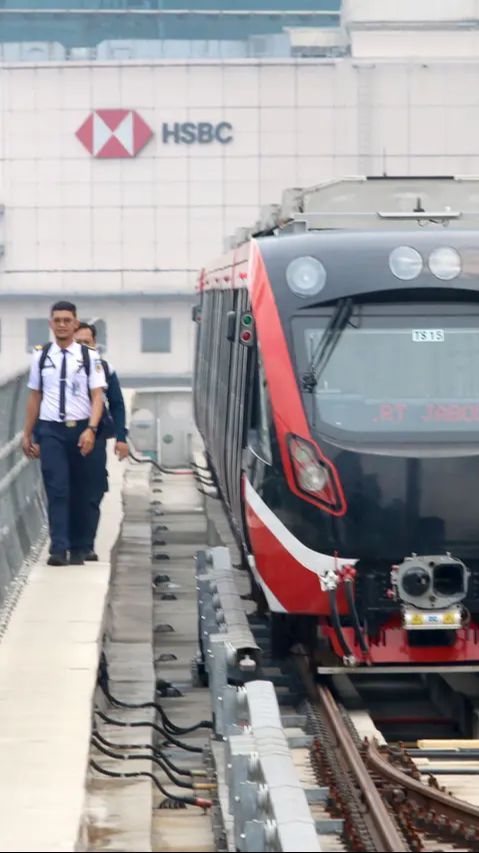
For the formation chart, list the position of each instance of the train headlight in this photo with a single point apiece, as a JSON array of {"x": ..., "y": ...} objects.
[
  {"x": 445, "y": 263},
  {"x": 416, "y": 582},
  {"x": 431, "y": 582},
  {"x": 315, "y": 478},
  {"x": 405, "y": 263},
  {"x": 306, "y": 276},
  {"x": 311, "y": 476}
]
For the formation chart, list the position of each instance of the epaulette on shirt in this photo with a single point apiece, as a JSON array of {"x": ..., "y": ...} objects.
[
  {"x": 38, "y": 346},
  {"x": 89, "y": 347}
]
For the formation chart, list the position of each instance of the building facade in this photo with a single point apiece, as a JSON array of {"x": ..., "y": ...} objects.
[{"x": 119, "y": 179}]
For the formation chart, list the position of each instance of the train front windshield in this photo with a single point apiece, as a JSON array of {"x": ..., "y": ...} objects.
[{"x": 379, "y": 372}]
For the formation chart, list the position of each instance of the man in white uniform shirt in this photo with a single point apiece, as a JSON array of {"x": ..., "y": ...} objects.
[{"x": 64, "y": 408}]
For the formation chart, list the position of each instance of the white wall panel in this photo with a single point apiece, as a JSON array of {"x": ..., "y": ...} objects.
[
  {"x": 277, "y": 86},
  {"x": 242, "y": 192},
  {"x": 204, "y": 86},
  {"x": 315, "y": 131},
  {"x": 241, "y": 85},
  {"x": 206, "y": 192},
  {"x": 76, "y": 224},
  {"x": 427, "y": 130},
  {"x": 315, "y": 85},
  {"x": 390, "y": 131}
]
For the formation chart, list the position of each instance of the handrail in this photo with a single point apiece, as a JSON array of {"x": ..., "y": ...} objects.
[
  {"x": 22, "y": 505},
  {"x": 11, "y": 445}
]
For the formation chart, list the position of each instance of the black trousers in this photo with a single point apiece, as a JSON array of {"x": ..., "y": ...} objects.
[
  {"x": 69, "y": 482},
  {"x": 99, "y": 485}
]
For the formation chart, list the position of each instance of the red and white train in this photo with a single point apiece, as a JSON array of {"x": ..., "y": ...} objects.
[{"x": 337, "y": 394}]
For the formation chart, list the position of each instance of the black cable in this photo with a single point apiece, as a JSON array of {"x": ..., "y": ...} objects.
[
  {"x": 205, "y": 485},
  {"x": 337, "y": 624},
  {"x": 168, "y": 724},
  {"x": 358, "y": 631},
  {"x": 146, "y": 724},
  {"x": 179, "y": 470},
  {"x": 189, "y": 801},
  {"x": 212, "y": 497},
  {"x": 141, "y": 757},
  {"x": 199, "y": 467},
  {"x": 157, "y": 752},
  {"x": 205, "y": 481}
]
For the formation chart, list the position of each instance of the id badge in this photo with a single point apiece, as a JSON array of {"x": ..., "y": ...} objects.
[{"x": 75, "y": 387}]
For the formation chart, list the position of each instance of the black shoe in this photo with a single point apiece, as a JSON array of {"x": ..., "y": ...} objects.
[
  {"x": 90, "y": 557},
  {"x": 57, "y": 558},
  {"x": 76, "y": 558}
]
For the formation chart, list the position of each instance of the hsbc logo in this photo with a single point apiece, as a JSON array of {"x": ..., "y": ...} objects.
[{"x": 109, "y": 134}]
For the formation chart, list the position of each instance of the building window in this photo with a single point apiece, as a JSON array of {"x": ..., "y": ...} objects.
[
  {"x": 101, "y": 336},
  {"x": 156, "y": 334},
  {"x": 38, "y": 332}
]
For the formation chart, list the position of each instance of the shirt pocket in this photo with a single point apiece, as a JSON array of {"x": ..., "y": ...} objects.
[{"x": 79, "y": 382}]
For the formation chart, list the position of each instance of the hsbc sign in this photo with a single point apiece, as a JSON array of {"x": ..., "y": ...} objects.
[
  {"x": 203, "y": 132},
  {"x": 108, "y": 134},
  {"x": 112, "y": 133}
]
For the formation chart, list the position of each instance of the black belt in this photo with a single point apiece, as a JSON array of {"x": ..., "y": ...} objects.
[{"x": 68, "y": 423}]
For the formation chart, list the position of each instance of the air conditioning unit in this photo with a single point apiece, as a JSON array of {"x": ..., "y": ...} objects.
[
  {"x": 268, "y": 217},
  {"x": 82, "y": 54},
  {"x": 241, "y": 236},
  {"x": 32, "y": 51},
  {"x": 270, "y": 45},
  {"x": 316, "y": 41},
  {"x": 291, "y": 203}
]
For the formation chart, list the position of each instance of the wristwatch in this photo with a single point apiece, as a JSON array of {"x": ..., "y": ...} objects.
[{"x": 94, "y": 428}]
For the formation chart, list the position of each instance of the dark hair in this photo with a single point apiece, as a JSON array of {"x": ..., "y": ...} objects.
[
  {"x": 64, "y": 306},
  {"x": 88, "y": 326}
]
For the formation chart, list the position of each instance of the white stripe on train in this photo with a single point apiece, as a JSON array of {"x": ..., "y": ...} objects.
[{"x": 316, "y": 562}]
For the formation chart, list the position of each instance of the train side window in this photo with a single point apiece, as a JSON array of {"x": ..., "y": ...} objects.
[{"x": 261, "y": 416}]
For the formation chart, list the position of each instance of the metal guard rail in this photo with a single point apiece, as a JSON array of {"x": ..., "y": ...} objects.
[{"x": 22, "y": 505}]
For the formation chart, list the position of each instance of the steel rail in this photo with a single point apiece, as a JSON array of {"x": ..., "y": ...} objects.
[
  {"x": 381, "y": 824},
  {"x": 426, "y": 797},
  {"x": 378, "y": 822}
]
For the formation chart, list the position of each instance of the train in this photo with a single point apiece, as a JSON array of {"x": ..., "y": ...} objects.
[{"x": 336, "y": 390}]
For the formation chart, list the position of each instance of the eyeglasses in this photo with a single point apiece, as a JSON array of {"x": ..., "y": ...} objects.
[{"x": 63, "y": 321}]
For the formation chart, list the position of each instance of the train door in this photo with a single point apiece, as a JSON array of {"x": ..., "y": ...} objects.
[{"x": 257, "y": 458}]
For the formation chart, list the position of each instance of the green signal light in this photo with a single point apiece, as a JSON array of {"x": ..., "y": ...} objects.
[{"x": 247, "y": 319}]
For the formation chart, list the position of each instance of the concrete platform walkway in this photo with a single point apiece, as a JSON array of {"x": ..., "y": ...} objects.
[{"x": 48, "y": 665}]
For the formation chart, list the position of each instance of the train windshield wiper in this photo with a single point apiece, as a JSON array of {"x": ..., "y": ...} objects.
[{"x": 327, "y": 344}]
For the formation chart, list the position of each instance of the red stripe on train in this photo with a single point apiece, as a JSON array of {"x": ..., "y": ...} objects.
[{"x": 286, "y": 403}]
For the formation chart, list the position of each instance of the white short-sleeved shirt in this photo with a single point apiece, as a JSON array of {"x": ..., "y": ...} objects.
[{"x": 77, "y": 400}]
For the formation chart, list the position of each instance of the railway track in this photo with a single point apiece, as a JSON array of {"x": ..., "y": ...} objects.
[
  {"x": 431, "y": 812},
  {"x": 366, "y": 795},
  {"x": 387, "y": 801},
  {"x": 338, "y": 763},
  {"x": 368, "y": 820}
]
